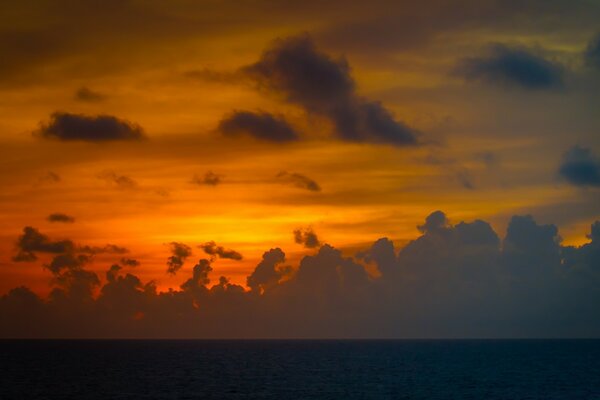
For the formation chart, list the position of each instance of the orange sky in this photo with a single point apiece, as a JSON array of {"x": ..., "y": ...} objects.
[{"x": 486, "y": 151}]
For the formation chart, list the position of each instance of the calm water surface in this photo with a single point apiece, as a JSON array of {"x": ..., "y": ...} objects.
[{"x": 403, "y": 369}]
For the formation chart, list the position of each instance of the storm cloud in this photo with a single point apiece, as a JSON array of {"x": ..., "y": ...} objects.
[
  {"x": 512, "y": 66},
  {"x": 259, "y": 125},
  {"x": 293, "y": 68},
  {"x": 580, "y": 167},
  {"x": 78, "y": 127}
]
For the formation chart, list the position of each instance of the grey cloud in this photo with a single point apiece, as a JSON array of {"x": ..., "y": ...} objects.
[
  {"x": 60, "y": 217},
  {"x": 295, "y": 69},
  {"x": 179, "y": 253},
  {"x": 298, "y": 180},
  {"x": 209, "y": 178},
  {"x": 78, "y": 127},
  {"x": 455, "y": 280},
  {"x": 592, "y": 53},
  {"x": 306, "y": 237},
  {"x": 86, "y": 94},
  {"x": 259, "y": 125},
  {"x": 212, "y": 249},
  {"x": 120, "y": 181},
  {"x": 512, "y": 66},
  {"x": 580, "y": 167}
]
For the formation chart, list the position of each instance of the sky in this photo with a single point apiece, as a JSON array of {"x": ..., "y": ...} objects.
[{"x": 299, "y": 169}]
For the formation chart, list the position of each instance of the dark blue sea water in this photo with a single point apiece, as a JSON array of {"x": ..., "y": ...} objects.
[{"x": 403, "y": 369}]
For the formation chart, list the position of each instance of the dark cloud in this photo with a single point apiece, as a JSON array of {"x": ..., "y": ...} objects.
[
  {"x": 209, "y": 178},
  {"x": 580, "y": 167},
  {"x": 592, "y": 53},
  {"x": 456, "y": 280},
  {"x": 120, "y": 181},
  {"x": 298, "y": 180},
  {"x": 306, "y": 237},
  {"x": 32, "y": 241},
  {"x": 88, "y": 95},
  {"x": 106, "y": 249},
  {"x": 268, "y": 272},
  {"x": 512, "y": 66},
  {"x": 50, "y": 177},
  {"x": 295, "y": 69},
  {"x": 212, "y": 249},
  {"x": 129, "y": 262},
  {"x": 78, "y": 127},
  {"x": 60, "y": 217},
  {"x": 259, "y": 125},
  {"x": 180, "y": 252}
]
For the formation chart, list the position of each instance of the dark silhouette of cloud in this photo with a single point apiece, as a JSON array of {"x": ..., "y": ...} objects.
[
  {"x": 306, "y": 237},
  {"x": 106, "y": 249},
  {"x": 78, "y": 127},
  {"x": 88, "y": 95},
  {"x": 580, "y": 167},
  {"x": 120, "y": 181},
  {"x": 60, "y": 217},
  {"x": 259, "y": 125},
  {"x": 212, "y": 249},
  {"x": 298, "y": 180},
  {"x": 129, "y": 262},
  {"x": 32, "y": 241},
  {"x": 455, "y": 280},
  {"x": 180, "y": 252},
  {"x": 209, "y": 178},
  {"x": 592, "y": 53},
  {"x": 294, "y": 69},
  {"x": 512, "y": 67}
]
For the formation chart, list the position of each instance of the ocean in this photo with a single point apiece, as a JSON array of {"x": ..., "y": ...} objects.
[{"x": 300, "y": 369}]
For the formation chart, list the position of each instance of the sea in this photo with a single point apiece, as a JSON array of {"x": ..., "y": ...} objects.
[{"x": 300, "y": 369}]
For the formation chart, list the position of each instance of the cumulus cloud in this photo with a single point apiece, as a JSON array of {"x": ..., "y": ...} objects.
[
  {"x": 307, "y": 237},
  {"x": 209, "y": 178},
  {"x": 78, "y": 127},
  {"x": 179, "y": 253},
  {"x": 592, "y": 53},
  {"x": 259, "y": 125},
  {"x": 86, "y": 94},
  {"x": 212, "y": 249},
  {"x": 60, "y": 217},
  {"x": 293, "y": 68},
  {"x": 454, "y": 280},
  {"x": 298, "y": 180},
  {"x": 512, "y": 66},
  {"x": 580, "y": 167}
]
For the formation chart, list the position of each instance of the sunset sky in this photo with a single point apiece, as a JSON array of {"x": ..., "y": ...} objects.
[{"x": 138, "y": 128}]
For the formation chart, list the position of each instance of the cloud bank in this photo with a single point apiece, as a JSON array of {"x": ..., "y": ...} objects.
[
  {"x": 77, "y": 127},
  {"x": 455, "y": 280}
]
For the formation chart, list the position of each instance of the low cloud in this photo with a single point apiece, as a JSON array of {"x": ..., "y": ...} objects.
[
  {"x": 580, "y": 167},
  {"x": 86, "y": 94},
  {"x": 60, "y": 217},
  {"x": 298, "y": 180},
  {"x": 78, "y": 127},
  {"x": 209, "y": 178},
  {"x": 259, "y": 125},
  {"x": 212, "y": 249},
  {"x": 293, "y": 68},
  {"x": 454, "y": 280},
  {"x": 119, "y": 181},
  {"x": 307, "y": 238},
  {"x": 179, "y": 253},
  {"x": 512, "y": 66}
]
